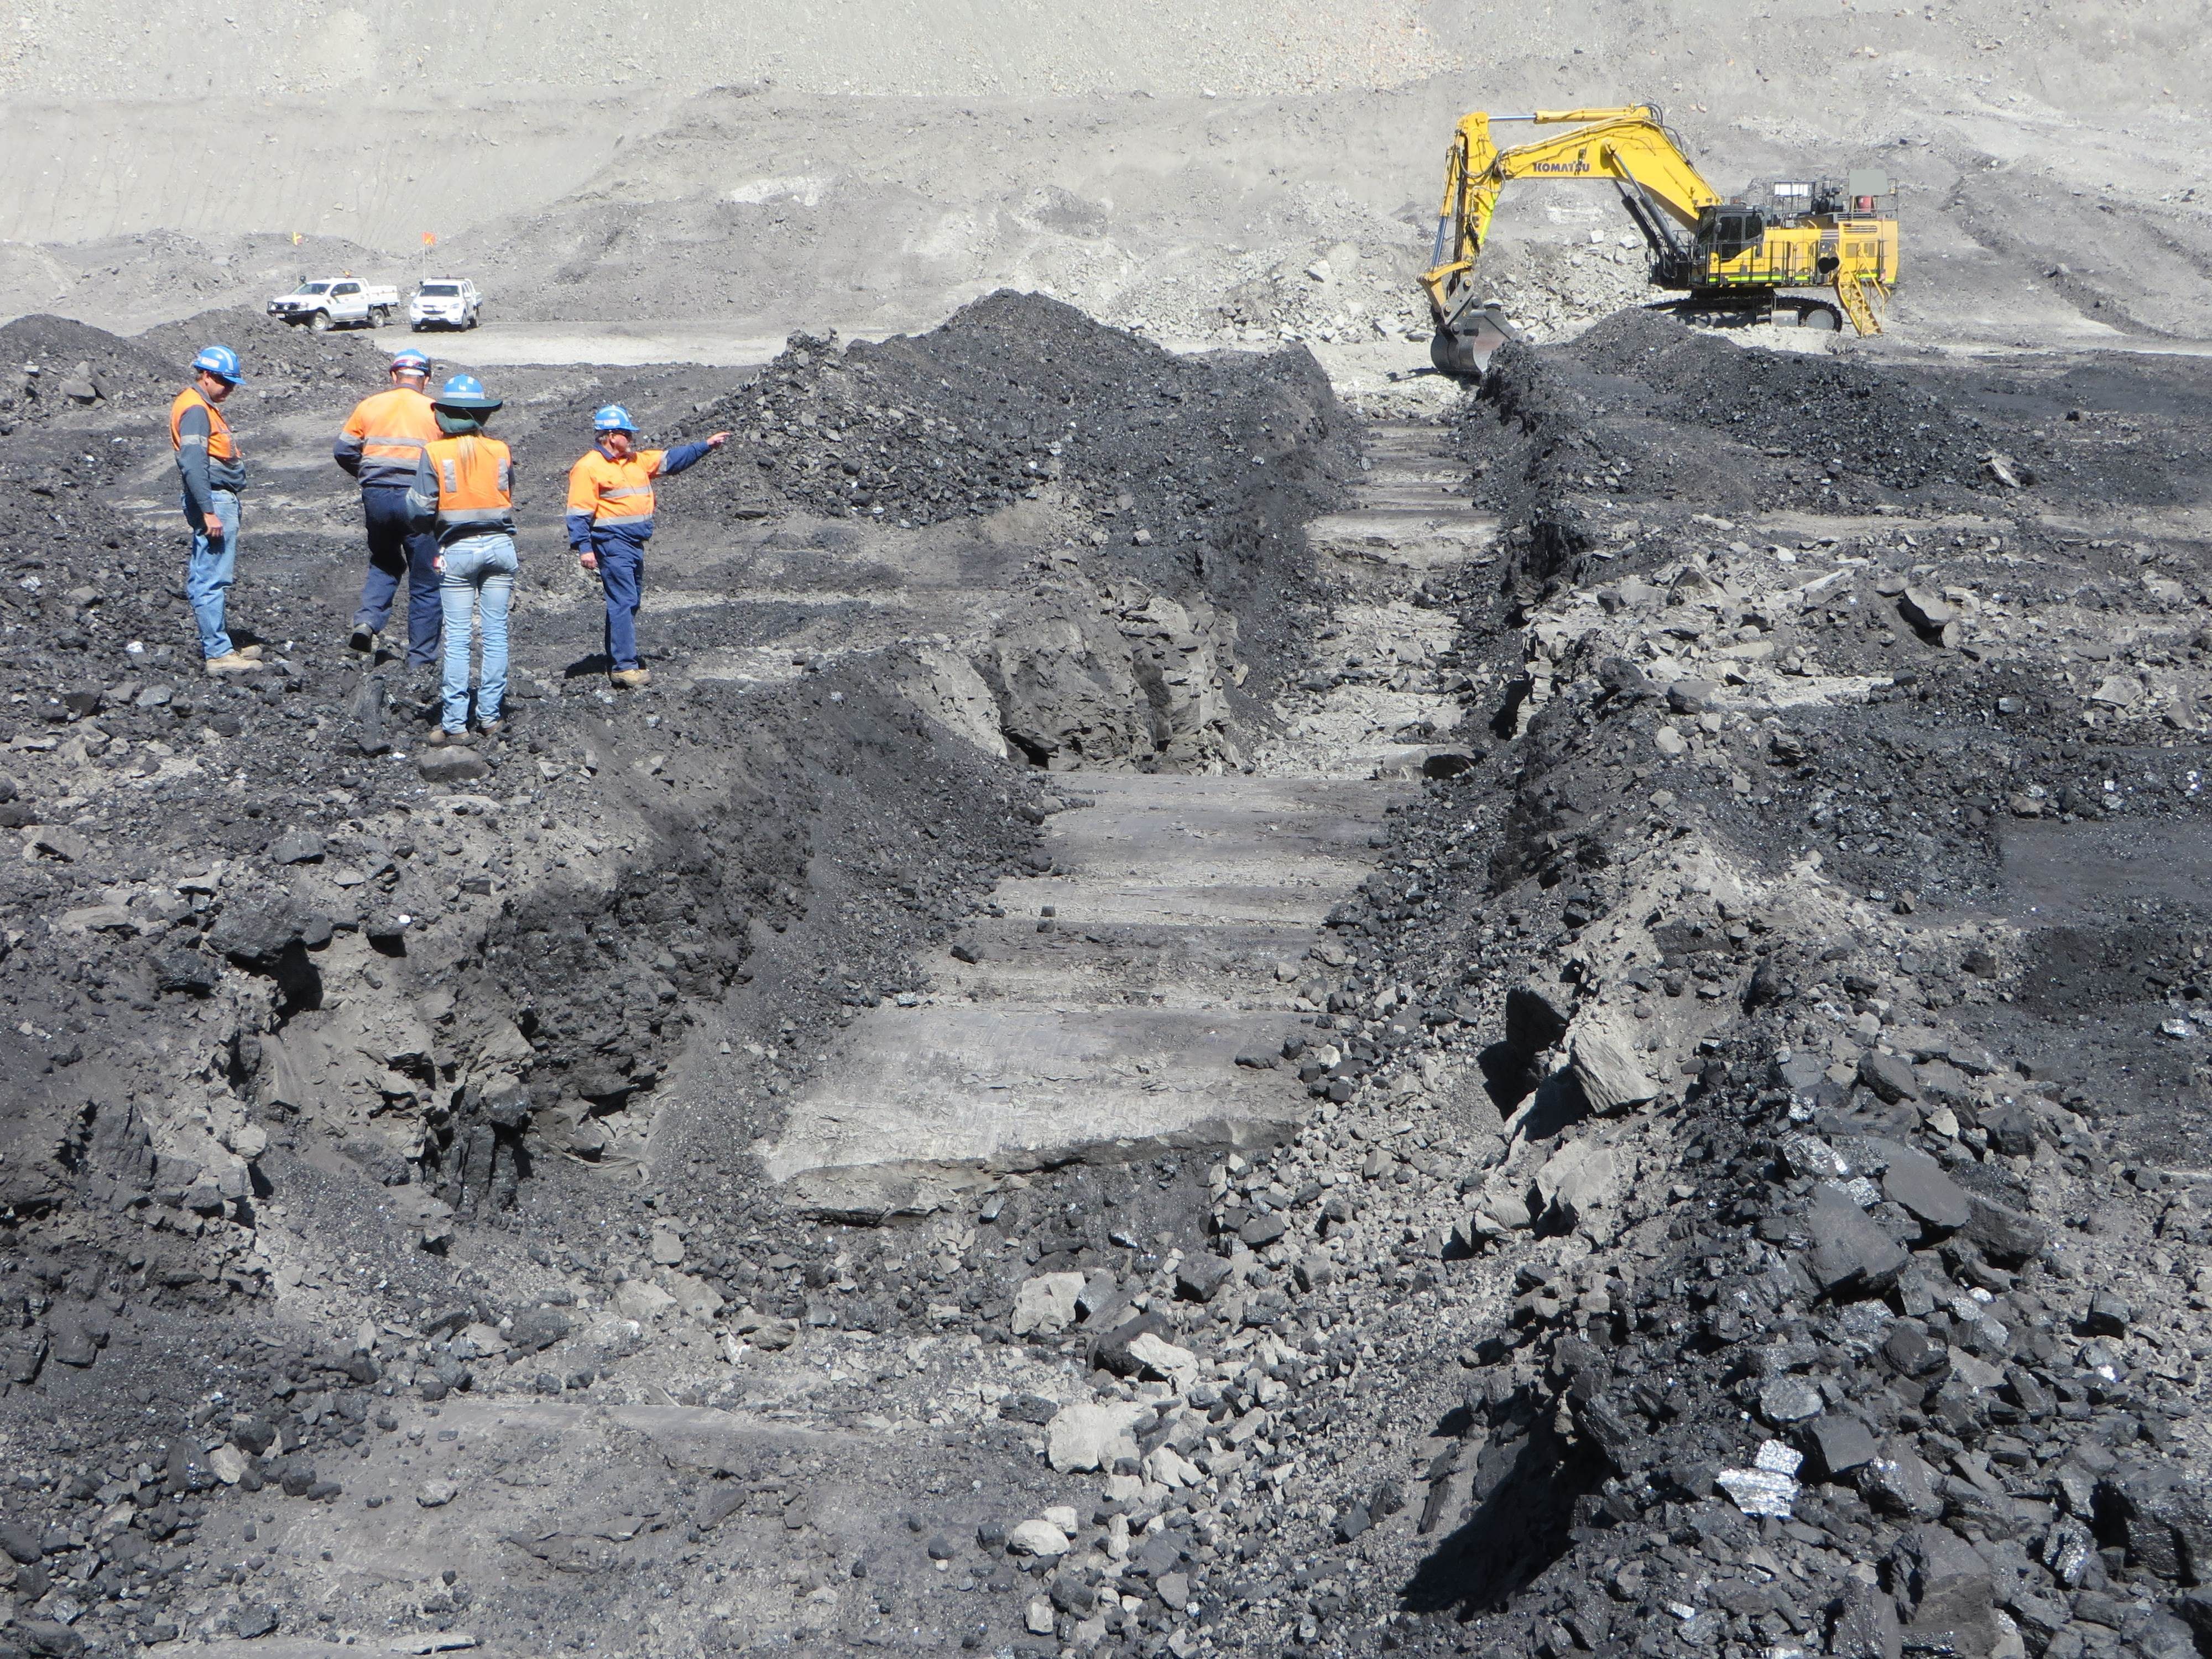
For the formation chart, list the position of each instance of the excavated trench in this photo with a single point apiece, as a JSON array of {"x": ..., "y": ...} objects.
[
  {"x": 1179, "y": 1027},
  {"x": 958, "y": 868}
]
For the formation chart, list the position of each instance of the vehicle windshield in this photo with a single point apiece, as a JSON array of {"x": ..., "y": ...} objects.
[
  {"x": 440, "y": 290},
  {"x": 313, "y": 287}
]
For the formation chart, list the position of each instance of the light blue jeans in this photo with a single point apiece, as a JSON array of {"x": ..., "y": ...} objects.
[
  {"x": 207, "y": 577},
  {"x": 477, "y": 585}
]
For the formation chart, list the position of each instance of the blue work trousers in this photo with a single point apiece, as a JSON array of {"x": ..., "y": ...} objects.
[
  {"x": 208, "y": 576},
  {"x": 622, "y": 576},
  {"x": 476, "y": 586},
  {"x": 394, "y": 551}
]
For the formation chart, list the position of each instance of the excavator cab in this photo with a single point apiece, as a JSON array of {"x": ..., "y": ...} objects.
[{"x": 1730, "y": 230}]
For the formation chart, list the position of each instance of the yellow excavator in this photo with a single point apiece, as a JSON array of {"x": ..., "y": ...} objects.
[{"x": 1727, "y": 255}]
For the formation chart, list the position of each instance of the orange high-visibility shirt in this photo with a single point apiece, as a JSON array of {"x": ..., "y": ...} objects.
[
  {"x": 384, "y": 437},
  {"x": 466, "y": 484},
  {"x": 614, "y": 494},
  {"x": 220, "y": 445}
]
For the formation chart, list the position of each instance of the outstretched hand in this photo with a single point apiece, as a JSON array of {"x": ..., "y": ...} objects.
[{"x": 718, "y": 441}]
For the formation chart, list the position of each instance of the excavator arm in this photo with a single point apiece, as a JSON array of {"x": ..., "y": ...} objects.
[{"x": 1631, "y": 146}]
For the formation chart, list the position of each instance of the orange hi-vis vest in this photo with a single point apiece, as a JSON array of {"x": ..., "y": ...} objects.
[
  {"x": 220, "y": 445},
  {"x": 388, "y": 432},
  {"x": 474, "y": 481},
  {"x": 614, "y": 492}
]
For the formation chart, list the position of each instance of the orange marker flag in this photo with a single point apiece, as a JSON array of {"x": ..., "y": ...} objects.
[{"x": 429, "y": 238}]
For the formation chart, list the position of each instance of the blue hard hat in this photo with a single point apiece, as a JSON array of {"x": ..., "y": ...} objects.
[
  {"x": 411, "y": 359},
  {"x": 220, "y": 361},
  {"x": 613, "y": 418},
  {"x": 465, "y": 391}
]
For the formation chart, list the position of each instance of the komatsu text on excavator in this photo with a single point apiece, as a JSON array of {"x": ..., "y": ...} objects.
[{"x": 1748, "y": 257}]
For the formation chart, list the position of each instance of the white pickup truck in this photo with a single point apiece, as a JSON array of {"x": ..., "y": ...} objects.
[
  {"x": 444, "y": 302},
  {"x": 330, "y": 303}
]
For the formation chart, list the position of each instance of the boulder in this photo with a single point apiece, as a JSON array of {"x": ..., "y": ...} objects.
[
  {"x": 1607, "y": 1067},
  {"x": 1577, "y": 1181},
  {"x": 1045, "y": 1305},
  {"x": 1088, "y": 1437}
]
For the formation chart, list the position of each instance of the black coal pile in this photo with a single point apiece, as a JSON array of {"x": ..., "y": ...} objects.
[
  {"x": 1875, "y": 425},
  {"x": 51, "y": 366},
  {"x": 1019, "y": 397}
]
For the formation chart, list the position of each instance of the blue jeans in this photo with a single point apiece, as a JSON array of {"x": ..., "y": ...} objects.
[
  {"x": 621, "y": 575},
  {"x": 477, "y": 585},
  {"x": 394, "y": 551},
  {"x": 208, "y": 576}
]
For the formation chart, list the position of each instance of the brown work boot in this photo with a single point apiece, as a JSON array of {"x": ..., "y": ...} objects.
[
  {"x": 490, "y": 728},
  {"x": 253, "y": 651},
  {"x": 232, "y": 662},
  {"x": 630, "y": 679},
  {"x": 442, "y": 738}
]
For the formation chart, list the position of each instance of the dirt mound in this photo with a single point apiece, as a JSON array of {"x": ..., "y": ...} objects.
[
  {"x": 1018, "y": 397},
  {"x": 1873, "y": 424},
  {"x": 266, "y": 346},
  {"x": 52, "y": 366}
]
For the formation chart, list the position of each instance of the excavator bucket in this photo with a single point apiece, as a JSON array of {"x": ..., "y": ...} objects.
[{"x": 1464, "y": 345}]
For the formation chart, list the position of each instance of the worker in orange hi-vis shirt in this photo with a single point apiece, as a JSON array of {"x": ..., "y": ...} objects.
[
  {"x": 610, "y": 520},
  {"x": 381, "y": 441}
]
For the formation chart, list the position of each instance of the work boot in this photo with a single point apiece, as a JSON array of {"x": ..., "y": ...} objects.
[
  {"x": 252, "y": 651},
  {"x": 362, "y": 640},
  {"x": 232, "y": 662},
  {"x": 490, "y": 728},
  {"x": 630, "y": 679},
  {"x": 442, "y": 738}
]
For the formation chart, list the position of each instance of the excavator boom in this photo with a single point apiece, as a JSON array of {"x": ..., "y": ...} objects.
[{"x": 1700, "y": 243}]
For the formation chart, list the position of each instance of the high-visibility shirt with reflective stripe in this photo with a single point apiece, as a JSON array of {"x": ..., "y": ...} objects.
[
  {"x": 465, "y": 484},
  {"x": 220, "y": 445},
  {"x": 611, "y": 491},
  {"x": 384, "y": 437}
]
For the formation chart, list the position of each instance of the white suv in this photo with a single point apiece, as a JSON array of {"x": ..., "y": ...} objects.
[{"x": 444, "y": 302}]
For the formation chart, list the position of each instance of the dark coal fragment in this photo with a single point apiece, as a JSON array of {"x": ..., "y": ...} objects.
[
  {"x": 255, "y": 1621},
  {"x": 1850, "y": 1256},
  {"x": 48, "y": 1639},
  {"x": 1623, "y": 681},
  {"x": 1862, "y": 1625},
  {"x": 2005, "y": 1234},
  {"x": 1842, "y": 1444},
  {"x": 2011, "y": 1131},
  {"x": 1916, "y": 1182},
  {"x": 1899, "y": 1482},
  {"x": 2165, "y": 1516},
  {"x": 258, "y": 930},
  {"x": 1947, "y": 1591},
  {"x": 538, "y": 1329},
  {"x": 183, "y": 968},
  {"x": 1033, "y": 1408},
  {"x": 2109, "y": 1314},
  {"x": 1890, "y": 1076}
]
